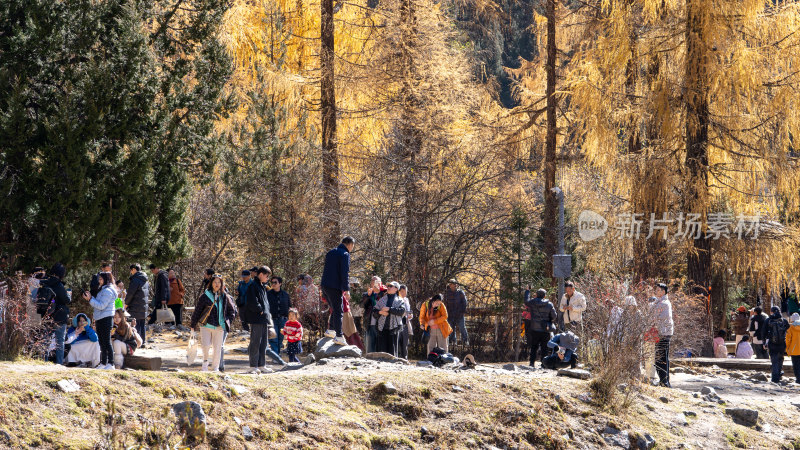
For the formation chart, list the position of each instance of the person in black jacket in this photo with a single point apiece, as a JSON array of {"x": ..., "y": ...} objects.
[
  {"x": 214, "y": 312},
  {"x": 335, "y": 285},
  {"x": 279, "y": 304},
  {"x": 161, "y": 291},
  {"x": 776, "y": 341},
  {"x": 758, "y": 330},
  {"x": 54, "y": 288},
  {"x": 94, "y": 285},
  {"x": 257, "y": 314},
  {"x": 543, "y": 316},
  {"x": 136, "y": 299}
]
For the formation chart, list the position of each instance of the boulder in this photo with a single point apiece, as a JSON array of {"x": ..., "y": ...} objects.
[
  {"x": 616, "y": 438},
  {"x": 743, "y": 416},
  {"x": 191, "y": 419},
  {"x": 68, "y": 386},
  {"x": 246, "y": 433},
  {"x": 385, "y": 387},
  {"x": 759, "y": 376},
  {"x": 645, "y": 442},
  {"x": 708, "y": 390},
  {"x": 575, "y": 373},
  {"x": 385, "y": 357},
  {"x": 510, "y": 367},
  {"x": 680, "y": 419},
  {"x": 326, "y": 349}
]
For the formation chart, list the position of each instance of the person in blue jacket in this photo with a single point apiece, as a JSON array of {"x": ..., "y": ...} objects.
[
  {"x": 103, "y": 305},
  {"x": 84, "y": 349},
  {"x": 565, "y": 346},
  {"x": 335, "y": 285}
]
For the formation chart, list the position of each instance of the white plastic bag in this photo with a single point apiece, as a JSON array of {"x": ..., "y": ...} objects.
[{"x": 191, "y": 350}]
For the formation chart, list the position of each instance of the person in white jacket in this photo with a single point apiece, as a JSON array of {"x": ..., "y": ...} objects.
[
  {"x": 662, "y": 319},
  {"x": 572, "y": 306},
  {"x": 103, "y": 306}
]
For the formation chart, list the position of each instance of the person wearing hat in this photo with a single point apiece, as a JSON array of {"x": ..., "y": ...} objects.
[
  {"x": 543, "y": 317},
  {"x": 241, "y": 297},
  {"x": 662, "y": 318},
  {"x": 456, "y": 302},
  {"x": 387, "y": 318},
  {"x": 53, "y": 287},
  {"x": 793, "y": 345},
  {"x": 740, "y": 321},
  {"x": 776, "y": 342}
]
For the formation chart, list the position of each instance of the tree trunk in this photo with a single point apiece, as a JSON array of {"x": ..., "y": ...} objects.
[
  {"x": 698, "y": 267},
  {"x": 330, "y": 157},
  {"x": 550, "y": 223}
]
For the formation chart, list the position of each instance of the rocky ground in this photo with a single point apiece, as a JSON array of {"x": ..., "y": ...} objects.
[{"x": 364, "y": 403}]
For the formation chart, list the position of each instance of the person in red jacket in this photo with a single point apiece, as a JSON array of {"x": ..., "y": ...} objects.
[{"x": 293, "y": 331}]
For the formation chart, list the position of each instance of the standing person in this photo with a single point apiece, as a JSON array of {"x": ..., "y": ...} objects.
[
  {"x": 456, "y": 302},
  {"x": 433, "y": 320},
  {"x": 103, "y": 306},
  {"x": 241, "y": 295},
  {"x": 176, "y": 293},
  {"x": 125, "y": 339},
  {"x": 279, "y": 305},
  {"x": 758, "y": 331},
  {"x": 740, "y": 321},
  {"x": 161, "y": 291},
  {"x": 207, "y": 275},
  {"x": 307, "y": 302},
  {"x": 376, "y": 291},
  {"x": 793, "y": 345},
  {"x": 212, "y": 316},
  {"x": 52, "y": 290},
  {"x": 293, "y": 330},
  {"x": 136, "y": 300},
  {"x": 37, "y": 276},
  {"x": 260, "y": 320},
  {"x": 572, "y": 306},
  {"x": 387, "y": 316},
  {"x": 94, "y": 285},
  {"x": 407, "y": 331},
  {"x": 662, "y": 310},
  {"x": 776, "y": 342},
  {"x": 543, "y": 317},
  {"x": 121, "y": 292},
  {"x": 349, "y": 329},
  {"x": 336, "y": 286}
]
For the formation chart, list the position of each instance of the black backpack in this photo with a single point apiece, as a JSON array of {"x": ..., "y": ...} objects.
[
  {"x": 777, "y": 332},
  {"x": 45, "y": 301}
]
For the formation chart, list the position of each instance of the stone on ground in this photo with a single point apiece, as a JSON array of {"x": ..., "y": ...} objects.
[
  {"x": 326, "y": 349},
  {"x": 385, "y": 357},
  {"x": 616, "y": 438},
  {"x": 575, "y": 373},
  {"x": 743, "y": 416},
  {"x": 191, "y": 419},
  {"x": 68, "y": 386}
]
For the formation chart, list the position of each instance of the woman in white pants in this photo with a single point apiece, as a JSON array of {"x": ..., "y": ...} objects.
[
  {"x": 213, "y": 313},
  {"x": 124, "y": 339}
]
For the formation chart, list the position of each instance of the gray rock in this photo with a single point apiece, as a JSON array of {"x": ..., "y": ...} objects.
[
  {"x": 458, "y": 389},
  {"x": 575, "y": 373},
  {"x": 645, "y": 442},
  {"x": 680, "y": 419},
  {"x": 191, "y": 419},
  {"x": 526, "y": 368},
  {"x": 306, "y": 360},
  {"x": 759, "y": 376},
  {"x": 424, "y": 364},
  {"x": 616, "y": 438},
  {"x": 68, "y": 386},
  {"x": 291, "y": 366},
  {"x": 246, "y": 433},
  {"x": 510, "y": 367},
  {"x": 690, "y": 414},
  {"x": 708, "y": 390},
  {"x": 326, "y": 349},
  {"x": 385, "y": 357},
  {"x": 743, "y": 416},
  {"x": 322, "y": 362},
  {"x": 386, "y": 387},
  {"x": 664, "y": 399},
  {"x": 736, "y": 375}
]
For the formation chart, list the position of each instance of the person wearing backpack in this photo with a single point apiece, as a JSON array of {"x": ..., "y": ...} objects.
[
  {"x": 53, "y": 302},
  {"x": 776, "y": 342},
  {"x": 543, "y": 317},
  {"x": 793, "y": 345}
]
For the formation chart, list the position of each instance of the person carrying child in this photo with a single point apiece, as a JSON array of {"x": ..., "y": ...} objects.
[{"x": 293, "y": 331}]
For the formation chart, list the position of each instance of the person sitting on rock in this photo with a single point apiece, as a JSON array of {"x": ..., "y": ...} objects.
[
  {"x": 565, "y": 346},
  {"x": 84, "y": 349},
  {"x": 125, "y": 339},
  {"x": 743, "y": 349},
  {"x": 720, "y": 350}
]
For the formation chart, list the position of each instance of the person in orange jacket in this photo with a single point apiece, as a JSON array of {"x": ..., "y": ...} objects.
[
  {"x": 433, "y": 319},
  {"x": 793, "y": 345}
]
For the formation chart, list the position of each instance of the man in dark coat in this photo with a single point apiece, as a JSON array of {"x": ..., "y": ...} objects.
[
  {"x": 543, "y": 316},
  {"x": 279, "y": 304},
  {"x": 94, "y": 285},
  {"x": 257, "y": 314},
  {"x": 759, "y": 329},
  {"x": 161, "y": 291},
  {"x": 136, "y": 299},
  {"x": 335, "y": 285},
  {"x": 53, "y": 288},
  {"x": 776, "y": 342},
  {"x": 455, "y": 300}
]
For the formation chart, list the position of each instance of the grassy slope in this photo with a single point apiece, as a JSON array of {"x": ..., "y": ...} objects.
[{"x": 335, "y": 408}]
